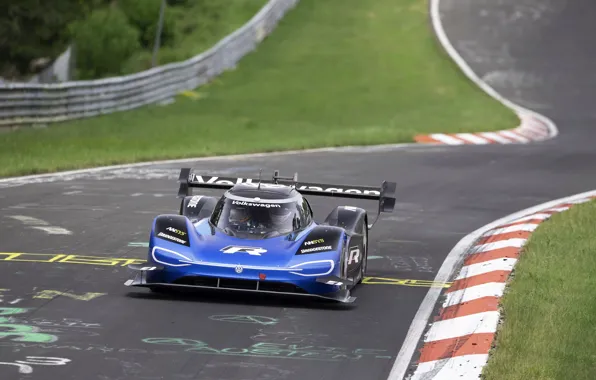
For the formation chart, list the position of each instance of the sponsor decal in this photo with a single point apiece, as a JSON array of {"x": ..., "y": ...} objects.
[
  {"x": 340, "y": 190},
  {"x": 194, "y": 201},
  {"x": 216, "y": 180},
  {"x": 170, "y": 237},
  {"x": 232, "y": 181},
  {"x": 253, "y": 251},
  {"x": 176, "y": 231},
  {"x": 249, "y": 204},
  {"x": 316, "y": 249},
  {"x": 354, "y": 255},
  {"x": 317, "y": 241}
]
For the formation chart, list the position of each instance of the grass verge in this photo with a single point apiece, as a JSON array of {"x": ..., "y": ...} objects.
[
  {"x": 335, "y": 72},
  {"x": 550, "y": 307}
]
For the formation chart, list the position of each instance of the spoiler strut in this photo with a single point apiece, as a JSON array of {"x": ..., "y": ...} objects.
[{"x": 385, "y": 194}]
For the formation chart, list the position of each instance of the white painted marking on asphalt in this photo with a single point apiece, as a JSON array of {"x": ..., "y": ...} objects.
[
  {"x": 491, "y": 289},
  {"x": 72, "y": 192},
  {"x": 508, "y": 243},
  {"x": 495, "y": 136},
  {"x": 468, "y": 324},
  {"x": 39, "y": 224},
  {"x": 54, "y": 230},
  {"x": 459, "y": 367},
  {"x": 29, "y": 220},
  {"x": 529, "y": 227},
  {"x": 473, "y": 138},
  {"x": 449, "y": 140},
  {"x": 505, "y": 264},
  {"x": 15, "y": 301}
]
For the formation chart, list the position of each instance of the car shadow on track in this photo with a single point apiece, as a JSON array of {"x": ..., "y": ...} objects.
[{"x": 254, "y": 299}]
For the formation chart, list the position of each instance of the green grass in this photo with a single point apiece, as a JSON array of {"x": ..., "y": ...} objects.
[
  {"x": 335, "y": 72},
  {"x": 549, "y": 329}
]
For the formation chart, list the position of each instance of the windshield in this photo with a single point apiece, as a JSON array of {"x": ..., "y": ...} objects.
[{"x": 259, "y": 220}]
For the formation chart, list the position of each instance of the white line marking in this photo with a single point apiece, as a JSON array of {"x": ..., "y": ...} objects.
[
  {"x": 509, "y": 243},
  {"x": 68, "y": 175},
  {"x": 454, "y": 258},
  {"x": 526, "y": 116},
  {"x": 461, "y": 326},
  {"x": 460, "y": 367},
  {"x": 495, "y": 136},
  {"x": 529, "y": 227},
  {"x": 449, "y": 140},
  {"x": 491, "y": 289},
  {"x": 558, "y": 209},
  {"x": 473, "y": 138},
  {"x": 580, "y": 201},
  {"x": 15, "y": 301},
  {"x": 506, "y": 264}
]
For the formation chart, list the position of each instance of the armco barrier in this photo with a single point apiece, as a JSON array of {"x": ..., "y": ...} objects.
[{"x": 24, "y": 103}]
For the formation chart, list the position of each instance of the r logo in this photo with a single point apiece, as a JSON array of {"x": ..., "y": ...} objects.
[
  {"x": 354, "y": 255},
  {"x": 254, "y": 251}
]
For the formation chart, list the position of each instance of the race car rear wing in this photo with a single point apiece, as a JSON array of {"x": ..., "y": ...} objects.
[{"x": 385, "y": 194}]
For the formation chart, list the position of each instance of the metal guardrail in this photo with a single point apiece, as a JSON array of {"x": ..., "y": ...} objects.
[{"x": 25, "y": 103}]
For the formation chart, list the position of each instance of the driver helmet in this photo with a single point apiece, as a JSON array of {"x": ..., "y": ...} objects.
[
  {"x": 239, "y": 215},
  {"x": 281, "y": 216}
]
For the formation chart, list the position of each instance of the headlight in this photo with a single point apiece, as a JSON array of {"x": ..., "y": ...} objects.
[
  {"x": 169, "y": 257},
  {"x": 314, "y": 268}
]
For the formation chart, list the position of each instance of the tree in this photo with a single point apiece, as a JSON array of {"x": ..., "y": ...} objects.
[
  {"x": 32, "y": 29},
  {"x": 103, "y": 42}
]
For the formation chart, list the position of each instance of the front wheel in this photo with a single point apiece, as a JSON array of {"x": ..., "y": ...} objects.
[{"x": 364, "y": 255}]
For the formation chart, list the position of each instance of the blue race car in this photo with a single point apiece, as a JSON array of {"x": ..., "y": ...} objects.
[{"x": 261, "y": 237}]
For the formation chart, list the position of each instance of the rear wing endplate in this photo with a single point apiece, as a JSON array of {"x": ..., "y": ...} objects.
[{"x": 384, "y": 194}]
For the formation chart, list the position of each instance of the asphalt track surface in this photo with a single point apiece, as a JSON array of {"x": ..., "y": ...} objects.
[{"x": 537, "y": 53}]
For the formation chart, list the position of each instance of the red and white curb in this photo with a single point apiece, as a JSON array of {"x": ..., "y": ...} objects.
[
  {"x": 458, "y": 342},
  {"x": 531, "y": 129}
]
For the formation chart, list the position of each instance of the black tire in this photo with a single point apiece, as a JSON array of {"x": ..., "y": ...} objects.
[{"x": 365, "y": 252}]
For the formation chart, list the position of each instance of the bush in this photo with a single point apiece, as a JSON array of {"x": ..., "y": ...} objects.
[
  {"x": 103, "y": 42},
  {"x": 144, "y": 15}
]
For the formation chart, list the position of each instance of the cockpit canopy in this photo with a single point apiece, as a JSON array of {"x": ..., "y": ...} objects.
[{"x": 260, "y": 218}]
